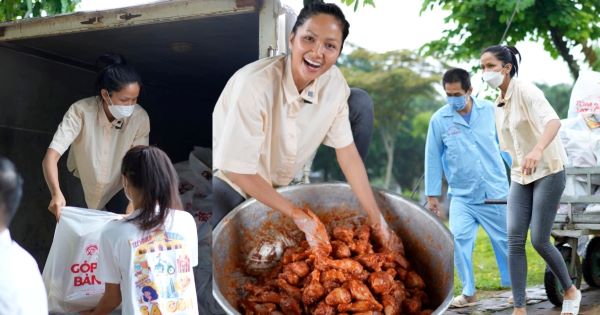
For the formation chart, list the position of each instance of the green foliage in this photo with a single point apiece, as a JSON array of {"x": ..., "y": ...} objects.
[
  {"x": 12, "y": 9},
  {"x": 561, "y": 25},
  {"x": 595, "y": 64},
  {"x": 558, "y": 96},
  {"x": 356, "y": 2},
  {"x": 401, "y": 85},
  {"x": 409, "y": 156},
  {"x": 396, "y": 81}
]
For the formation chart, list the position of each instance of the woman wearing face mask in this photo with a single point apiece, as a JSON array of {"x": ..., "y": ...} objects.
[
  {"x": 527, "y": 126},
  {"x": 147, "y": 258},
  {"x": 274, "y": 113},
  {"x": 99, "y": 130}
]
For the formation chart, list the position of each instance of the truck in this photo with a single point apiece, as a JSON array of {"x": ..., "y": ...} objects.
[{"x": 185, "y": 51}]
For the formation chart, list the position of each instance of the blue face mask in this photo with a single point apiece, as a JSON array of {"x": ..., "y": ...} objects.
[{"x": 458, "y": 103}]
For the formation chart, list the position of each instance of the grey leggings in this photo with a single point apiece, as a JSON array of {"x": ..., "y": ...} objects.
[{"x": 534, "y": 206}]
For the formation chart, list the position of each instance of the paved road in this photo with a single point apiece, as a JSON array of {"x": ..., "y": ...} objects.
[{"x": 539, "y": 304}]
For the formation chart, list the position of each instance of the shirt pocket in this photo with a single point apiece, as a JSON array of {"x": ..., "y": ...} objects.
[
  {"x": 452, "y": 144},
  {"x": 457, "y": 161}
]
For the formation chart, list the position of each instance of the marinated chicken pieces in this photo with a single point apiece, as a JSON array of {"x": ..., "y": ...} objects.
[{"x": 353, "y": 279}]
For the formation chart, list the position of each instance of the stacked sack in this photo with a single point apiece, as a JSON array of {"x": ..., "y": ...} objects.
[
  {"x": 580, "y": 136},
  {"x": 195, "y": 189}
]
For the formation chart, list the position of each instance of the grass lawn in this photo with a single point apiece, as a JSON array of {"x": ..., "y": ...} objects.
[{"x": 487, "y": 277}]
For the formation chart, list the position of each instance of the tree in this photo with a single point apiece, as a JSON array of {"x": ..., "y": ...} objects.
[
  {"x": 559, "y": 96},
  {"x": 13, "y": 9},
  {"x": 562, "y": 25},
  {"x": 356, "y": 2},
  {"x": 396, "y": 81}
]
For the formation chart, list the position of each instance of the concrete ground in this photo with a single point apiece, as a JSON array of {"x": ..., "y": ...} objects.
[{"x": 537, "y": 304}]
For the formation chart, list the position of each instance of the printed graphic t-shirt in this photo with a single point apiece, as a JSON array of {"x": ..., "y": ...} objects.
[{"x": 153, "y": 268}]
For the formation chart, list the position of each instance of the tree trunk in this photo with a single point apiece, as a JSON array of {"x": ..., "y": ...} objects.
[
  {"x": 388, "y": 143},
  {"x": 561, "y": 45}
]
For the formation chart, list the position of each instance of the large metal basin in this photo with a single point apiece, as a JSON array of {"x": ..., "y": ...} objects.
[{"x": 428, "y": 243}]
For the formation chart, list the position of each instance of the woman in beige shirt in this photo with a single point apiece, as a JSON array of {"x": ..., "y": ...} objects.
[
  {"x": 274, "y": 113},
  {"x": 527, "y": 126},
  {"x": 99, "y": 129}
]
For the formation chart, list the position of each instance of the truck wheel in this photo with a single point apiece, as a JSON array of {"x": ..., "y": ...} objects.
[
  {"x": 591, "y": 263},
  {"x": 554, "y": 289}
]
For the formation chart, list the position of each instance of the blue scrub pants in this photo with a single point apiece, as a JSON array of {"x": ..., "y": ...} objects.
[{"x": 465, "y": 219}]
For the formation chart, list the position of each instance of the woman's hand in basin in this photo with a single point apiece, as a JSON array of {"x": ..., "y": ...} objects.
[
  {"x": 314, "y": 230},
  {"x": 386, "y": 237}
]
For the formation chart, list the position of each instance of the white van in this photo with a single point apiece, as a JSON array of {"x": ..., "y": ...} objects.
[{"x": 185, "y": 51}]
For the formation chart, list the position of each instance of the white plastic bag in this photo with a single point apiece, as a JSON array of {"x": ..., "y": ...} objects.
[
  {"x": 69, "y": 271},
  {"x": 585, "y": 96}
]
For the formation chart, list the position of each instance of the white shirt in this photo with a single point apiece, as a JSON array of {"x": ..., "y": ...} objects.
[
  {"x": 22, "y": 290},
  {"x": 520, "y": 124},
  {"x": 263, "y": 125},
  {"x": 153, "y": 268},
  {"x": 98, "y": 146}
]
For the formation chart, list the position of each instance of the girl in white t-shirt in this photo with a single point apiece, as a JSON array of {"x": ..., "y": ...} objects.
[{"x": 146, "y": 259}]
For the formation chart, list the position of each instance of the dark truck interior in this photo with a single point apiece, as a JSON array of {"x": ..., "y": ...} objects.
[{"x": 184, "y": 66}]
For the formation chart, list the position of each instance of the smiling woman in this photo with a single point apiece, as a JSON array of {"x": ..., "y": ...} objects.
[
  {"x": 272, "y": 116},
  {"x": 316, "y": 44}
]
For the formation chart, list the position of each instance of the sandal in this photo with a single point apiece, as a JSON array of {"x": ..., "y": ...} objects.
[
  {"x": 571, "y": 306},
  {"x": 461, "y": 301}
]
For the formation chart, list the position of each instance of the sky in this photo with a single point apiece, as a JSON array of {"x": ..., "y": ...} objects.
[{"x": 395, "y": 24}]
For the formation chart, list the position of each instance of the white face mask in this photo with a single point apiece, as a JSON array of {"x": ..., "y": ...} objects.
[
  {"x": 493, "y": 78},
  {"x": 120, "y": 111}
]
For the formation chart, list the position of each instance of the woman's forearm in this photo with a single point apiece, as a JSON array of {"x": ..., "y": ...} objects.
[
  {"x": 550, "y": 131},
  {"x": 356, "y": 175},
  {"x": 255, "y": 186},
  {"x": 50, "y": 169},
  {"x": 110, "y": 300}
]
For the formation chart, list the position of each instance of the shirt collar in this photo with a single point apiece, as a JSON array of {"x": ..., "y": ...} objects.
[
  {"x": 509, "y": 91},
  {"x": 476, "y": 103},
  {"x": 309, "y": 94},
  {"x": 103, "y": 120}
]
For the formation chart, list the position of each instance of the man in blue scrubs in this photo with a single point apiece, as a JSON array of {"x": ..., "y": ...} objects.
[{"x": 462, "y": 145}]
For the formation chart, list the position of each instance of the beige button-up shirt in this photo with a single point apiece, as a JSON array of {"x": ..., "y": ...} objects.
[
  {"x": 262, "y": 125},
  {"x": 98, "y": 146},
  {"x": 521, "y": 123}
]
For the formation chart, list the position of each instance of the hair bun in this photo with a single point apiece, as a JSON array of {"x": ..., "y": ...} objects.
[{"x": 109, "y": 59}]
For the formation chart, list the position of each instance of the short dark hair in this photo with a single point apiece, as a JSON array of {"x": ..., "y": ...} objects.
[
  {"x": 457, "y": 75},
  {"x": 319, "y": 7},
  {"x": 506, "y": 54},
  {"x": 113, "y": 73},
  {"x": 11, "y": 189},
  {"x": 150, "y": 170}
]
